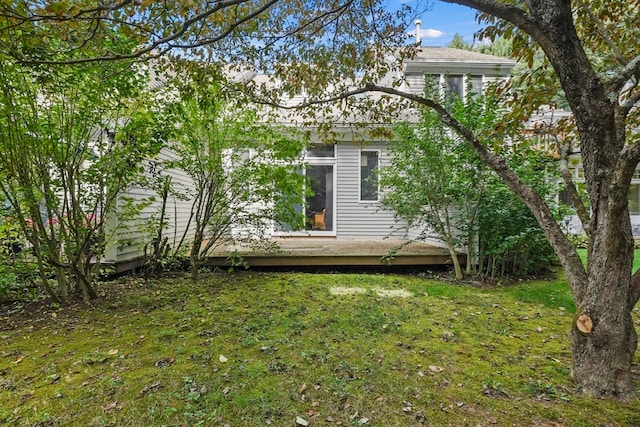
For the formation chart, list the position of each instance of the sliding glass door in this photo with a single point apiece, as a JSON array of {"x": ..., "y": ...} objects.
[{"x": 319, "y": 197}]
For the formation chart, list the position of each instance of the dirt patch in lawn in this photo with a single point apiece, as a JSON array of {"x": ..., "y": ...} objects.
[{"x": 381, "y": 292}]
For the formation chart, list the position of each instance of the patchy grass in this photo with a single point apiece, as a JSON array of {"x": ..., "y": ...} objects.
[{"x": 257, "y": 349}]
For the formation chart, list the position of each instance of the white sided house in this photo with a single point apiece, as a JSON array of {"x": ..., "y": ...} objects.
[
  {"x": 344, "y": 205},
  {"x": 345, "y": 201}
]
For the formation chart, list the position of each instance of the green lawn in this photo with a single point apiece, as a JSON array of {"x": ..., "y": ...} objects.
[
  {"x": 636, "y": 258},
  {"x": 257, "y": 349}
]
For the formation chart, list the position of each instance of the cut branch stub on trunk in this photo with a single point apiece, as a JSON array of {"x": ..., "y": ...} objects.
[{"x": 584, "y": 323}]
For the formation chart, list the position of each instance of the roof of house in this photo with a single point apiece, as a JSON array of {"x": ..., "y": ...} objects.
[
  {"x": 453, "y": 54},
  {"x": 451, "y": 59}
]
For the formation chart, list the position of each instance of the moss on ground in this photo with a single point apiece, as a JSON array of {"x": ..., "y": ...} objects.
[{"x": 256, "y": 349}]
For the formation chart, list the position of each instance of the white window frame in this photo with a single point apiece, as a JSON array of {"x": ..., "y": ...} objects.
[{"x": 318, "y": 161}]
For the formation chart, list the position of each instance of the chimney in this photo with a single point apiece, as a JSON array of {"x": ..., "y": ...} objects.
[{"x": 418, "y": 35}]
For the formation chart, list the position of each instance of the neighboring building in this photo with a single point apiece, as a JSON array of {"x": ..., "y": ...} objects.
[
  {"x": 543, "y": 126},
  {"x": 572, "y": 224}
]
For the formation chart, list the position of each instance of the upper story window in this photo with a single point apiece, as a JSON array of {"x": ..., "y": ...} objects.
[
  {"x": 450, "y": 85},
  {"x": 454, "y": 86},
  {"x": 369, "y": 162},
  {"x": 475, "y": 84}
]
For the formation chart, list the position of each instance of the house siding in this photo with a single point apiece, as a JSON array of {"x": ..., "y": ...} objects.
[
  {"x": 414, "y": 83},
  {"x": 354, "y": 218},
  {"x": 131, "y": 236}
]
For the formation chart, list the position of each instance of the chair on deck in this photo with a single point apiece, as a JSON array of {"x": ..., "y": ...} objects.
[{"x": 319, "y": 220}]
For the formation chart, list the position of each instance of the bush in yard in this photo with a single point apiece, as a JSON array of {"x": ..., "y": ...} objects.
[
  {"x": 71, "y": 139},
  {"x": 510, "y": 241},
  {"x": 437, "y": 183}
]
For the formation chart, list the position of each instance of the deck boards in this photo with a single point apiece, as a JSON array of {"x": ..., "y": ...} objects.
[{"x": 309, "y": 251}]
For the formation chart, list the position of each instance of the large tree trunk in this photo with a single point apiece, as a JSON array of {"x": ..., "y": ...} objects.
[
  {"x": 603, "y": 351},
  {"x": 602, "y": 356},
  {"x": 602, "y": 359}
]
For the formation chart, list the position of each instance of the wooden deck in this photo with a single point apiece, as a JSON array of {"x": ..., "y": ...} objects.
[{"x": 316, "y": 252}]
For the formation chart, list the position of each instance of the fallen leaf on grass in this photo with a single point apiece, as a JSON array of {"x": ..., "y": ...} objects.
[
  {"x": 110, "y": 406},
  {"x": 150, "y": 388},
  {"x": 226, "y": 391},
  {"x": 434, "y": 368},
  {"x": 113, "y": 352},
  {"x": 53, "y": 378},
  {"x": 18, "y": 360},
  {"x": 165, "y": 361}
]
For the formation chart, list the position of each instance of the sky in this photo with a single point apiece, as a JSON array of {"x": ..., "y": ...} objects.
[{"x": 444, "y": 20}]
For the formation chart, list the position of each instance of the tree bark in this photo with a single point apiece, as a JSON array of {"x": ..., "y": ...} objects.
[
  {"x": 194, "y": 257},
  {"x": 603, "y": 357}
]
